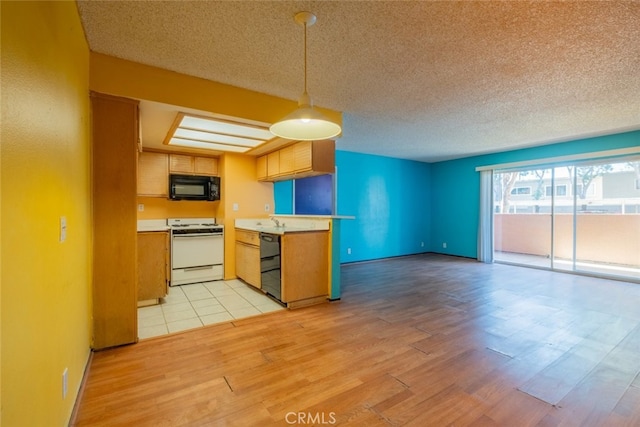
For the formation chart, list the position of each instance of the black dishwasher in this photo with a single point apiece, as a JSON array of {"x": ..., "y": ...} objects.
[{"x": 270, "y": 264}]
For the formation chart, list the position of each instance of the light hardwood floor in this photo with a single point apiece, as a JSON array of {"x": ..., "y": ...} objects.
[{"x": 424, "y": 340}]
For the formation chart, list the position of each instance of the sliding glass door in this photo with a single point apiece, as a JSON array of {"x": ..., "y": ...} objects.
[
  {"x": 579, "y": 217},
  {"x": 563, "y": 217},
  {"x": 522, "y": 217},
  {"x": 607, "y": 218}
]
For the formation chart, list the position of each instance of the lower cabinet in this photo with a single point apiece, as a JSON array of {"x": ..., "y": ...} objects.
[
  {"x": 305, "y": 268},
  {"x": 304, "y": 258},
  {"x": 153, "y": 265},
  {"x": 248, "y": 257}
]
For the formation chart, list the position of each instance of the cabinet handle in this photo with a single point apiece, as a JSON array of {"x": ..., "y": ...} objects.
[{"x": 247, "y": 244}]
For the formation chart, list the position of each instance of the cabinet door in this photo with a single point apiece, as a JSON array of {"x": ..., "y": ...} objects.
[
  {"x": 247, "y": 236},
  {"x": 153, "y": 250},
  {"x": 302, "y": 153},
  {"x": 248, "y": 263},
  {"x": 304, "y": 275},
  {"x": 153, "y": 172},
  {"x": 287, "y": 164},
  {"x": 179, "y": 163},
  {"x": 205, "y": 166},
  {"x": 115, "y": 303},
  {"x": 261, "y": 168},
  {"x": 273, "y": 164}
]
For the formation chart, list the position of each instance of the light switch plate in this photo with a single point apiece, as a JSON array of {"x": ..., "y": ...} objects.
[
  {"x": 63, "y": 229},
  {"x": 65, "y": 382},
  {"x": 236, "y": 207}
]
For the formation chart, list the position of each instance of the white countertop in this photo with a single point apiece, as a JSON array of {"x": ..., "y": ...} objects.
[
  {"x": 277, "y": 230},
  {"x": 287, "y": 224},
  {"x": 152, "y": 225},
  {"x": 314, "y": 216}
]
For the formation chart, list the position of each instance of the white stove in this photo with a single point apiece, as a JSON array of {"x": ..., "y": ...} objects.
[
  {"x": 194, "y": 224},
  {"x": 197, "y": 250}
]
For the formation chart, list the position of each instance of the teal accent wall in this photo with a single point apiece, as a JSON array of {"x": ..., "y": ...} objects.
[
  {"x": 456, "y": 188},
  {"x": 283, "y": 196},
  {"x": 455, "y": 197},
  {"x": 389, "y": 199}
]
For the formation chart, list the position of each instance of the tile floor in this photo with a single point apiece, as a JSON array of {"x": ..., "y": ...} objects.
[{"x": 199, "y": 304}]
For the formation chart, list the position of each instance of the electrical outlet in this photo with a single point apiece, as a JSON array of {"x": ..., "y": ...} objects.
[
  {"x": 65, "y": 382},
  {"x": 422, "y": 244},
  {"x": 236, "y": 207},
  {"x": 444, "y": 245},
  {"x": 348, "y": 251},
  {"x": 267, "y": 207},
  {"x": 141, "y": 207}
]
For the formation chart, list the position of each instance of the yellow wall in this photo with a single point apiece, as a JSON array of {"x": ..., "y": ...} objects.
[
  {"x": 133, "y": 80},
  {"x": 46, "y": 292}
]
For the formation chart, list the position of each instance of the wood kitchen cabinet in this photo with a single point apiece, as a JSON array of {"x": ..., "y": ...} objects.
[
  {"x": 248, "y": 257},
  {"x": 261, "y": 168},
  {"x": 153, "y": 174},
  {"x": 287, "y": 165},
  {"x": 153, "y": 265},
  {"x": 193, "y": 165},
  {"x": 304, "y": 264},
  {"x": 299, "y": 160},
  {"x": 309, "y": 156},
  {"x": 114, "y": 128},
  {"x": 305, "y": 268},
  {"x": 273, "y": 164},
  {"x": 154, "y": 169}
]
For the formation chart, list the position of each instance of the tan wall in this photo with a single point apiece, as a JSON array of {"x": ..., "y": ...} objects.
[{"x": 600, "y": 238}]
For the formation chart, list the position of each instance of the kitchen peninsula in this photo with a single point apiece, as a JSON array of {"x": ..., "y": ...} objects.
[{"x": 292, "y": 252}]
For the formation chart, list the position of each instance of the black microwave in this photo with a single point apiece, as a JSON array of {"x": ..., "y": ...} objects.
[{"x": 193, "y": 187}]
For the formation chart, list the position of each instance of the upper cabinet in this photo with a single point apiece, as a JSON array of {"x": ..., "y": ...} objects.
[
  {"x": 261, "y": 168},
  {"x": 302, "y": 159},
  {"x": 191, "y": 165},
  {"x": 179, "y": 163},
  {"x": 154, "y": 169}
]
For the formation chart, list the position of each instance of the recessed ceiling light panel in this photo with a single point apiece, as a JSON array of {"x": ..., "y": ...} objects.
[
  {"x": 211, "y": 133},
  {"x": 189, "y": 143}
]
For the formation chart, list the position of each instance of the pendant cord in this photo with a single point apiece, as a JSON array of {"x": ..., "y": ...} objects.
[{"x": 305, "y": 57}]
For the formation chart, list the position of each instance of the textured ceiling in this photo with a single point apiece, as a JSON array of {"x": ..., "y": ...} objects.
[{"x": 414, "y": 79}]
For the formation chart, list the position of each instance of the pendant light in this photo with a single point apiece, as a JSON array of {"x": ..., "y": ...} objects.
[{"x": 305, "y": 123}]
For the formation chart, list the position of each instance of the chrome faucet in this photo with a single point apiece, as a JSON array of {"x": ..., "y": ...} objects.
[{"x": 276, "y": 221}]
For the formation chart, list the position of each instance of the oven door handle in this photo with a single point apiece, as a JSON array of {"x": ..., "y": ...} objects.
[
  {"x": 191, "y": 236},
  {"x": 202, "y": 267}
]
